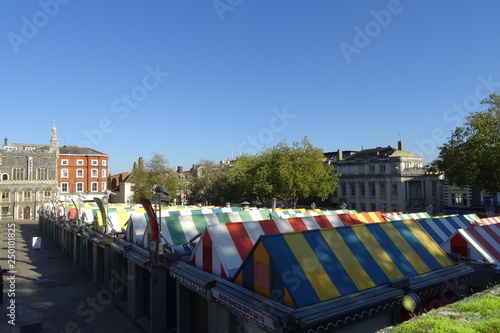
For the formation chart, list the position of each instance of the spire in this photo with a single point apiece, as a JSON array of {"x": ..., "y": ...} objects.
[{"x": 53, "y": 140}]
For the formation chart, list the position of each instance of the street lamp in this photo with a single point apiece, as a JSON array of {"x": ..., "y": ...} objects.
[{"x": 158, "y": 200}]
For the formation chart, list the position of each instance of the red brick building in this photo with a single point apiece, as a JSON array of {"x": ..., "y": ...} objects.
[{"x": 82, "y": 173}]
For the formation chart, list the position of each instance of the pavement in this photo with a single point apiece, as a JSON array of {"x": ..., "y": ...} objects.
[{"x": 44, "y": 291}]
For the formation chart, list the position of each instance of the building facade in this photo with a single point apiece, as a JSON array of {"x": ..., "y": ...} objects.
[
  {"x": 82, "y": 173},
  {"x": 28, "y": 177},
  {"x": 33, "y": 174},
  {"x": 385, "y": 179}
]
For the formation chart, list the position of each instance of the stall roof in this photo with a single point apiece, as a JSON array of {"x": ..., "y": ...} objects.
[
  {"x": 488, "y": 220},
  {"x": 410, "y": 216},
  {"x": 183, "y": 231},
  {"x": 223, "y": 247},
  {"x": 442, "y": 228},
  {"x": 481, "y": 243},
  {"x": 357, "y": 218},
  {"x": 304, "y": 268}
]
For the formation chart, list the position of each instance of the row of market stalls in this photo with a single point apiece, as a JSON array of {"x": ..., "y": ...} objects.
[{"x": 224, "y": 269}]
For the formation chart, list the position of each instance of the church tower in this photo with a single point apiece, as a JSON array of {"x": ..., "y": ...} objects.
[{"x": 54, "y": 144}]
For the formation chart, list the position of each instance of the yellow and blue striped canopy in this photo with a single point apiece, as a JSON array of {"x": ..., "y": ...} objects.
[{"x": 304, "y": 268}]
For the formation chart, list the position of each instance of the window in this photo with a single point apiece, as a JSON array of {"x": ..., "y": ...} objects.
[
  {"x": 64, "y": 187},
  {"x": 344, "y": 189},
  {"x": 47, "y": 193},
  {"x": 79, "y": 162},
  {"x": 362, "y": 189},
  {"x": 371, "y": 188},
  {"x": 383, "y": 190},
  {"x": 382, "y": 169},
  {"x": 18, "y": 174},
  {"x": 103, "y": 186},
  {"x": 94, "y": 173},
  {"x": 353, "y": 190},
  {"x": 103, "y": 162},
  {"x": 394, "y": 189},
  {"x": 64, "y": 173},
  {"x": 93, "y": 187},
  {"x": 64, "y": 162},
  {"x": 371, "y": 168},
  {"x": 95, "y": 162},
  {"x": 79, "y": 173},
  {"x": 457, "y": 199},
  {"x": 42, "y": 174},
  {"x": 26, "y": 195},
  {"x": 5, "y": 176},
  {"x": 79, "y": 187},
  {"x": 103, "y": 173},
  {"x": 5, "y": 195}
]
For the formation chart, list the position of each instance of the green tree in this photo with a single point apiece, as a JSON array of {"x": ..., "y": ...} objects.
[
  {"x": 155, "y": 172},
  {"x": 205, "y": 183},
  {"x": 472, "y": 155},
  {"x": 286, "y": 173}
]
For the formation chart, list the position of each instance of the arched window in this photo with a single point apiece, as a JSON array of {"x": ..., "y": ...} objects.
[
  {"x": 46, "y": 194},
  {"x": 5, "y": 196},
  {"x": 26, "y": 195},
  {"x": 42, "y": 174},
  {"x": 5, "y": 176},
  {"x": 18, "y": 173}
]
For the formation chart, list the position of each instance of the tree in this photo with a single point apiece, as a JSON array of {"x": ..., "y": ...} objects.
[
  {"x": 204, "y": 184},
  {"x": 155, "y": 172},
  {"x": 286, "y": 173},
  {"x": 472, "y": 155}
]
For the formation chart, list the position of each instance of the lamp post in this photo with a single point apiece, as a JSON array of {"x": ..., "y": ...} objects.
[{"x": 160, "y": 190}]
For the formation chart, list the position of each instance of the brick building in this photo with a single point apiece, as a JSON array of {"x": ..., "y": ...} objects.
[{"x": 82, "y": 173}]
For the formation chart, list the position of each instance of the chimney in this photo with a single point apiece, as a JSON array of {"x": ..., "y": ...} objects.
[
  {"x": 5, "y": 141},
  {"x": 141, "y": 163},
  {"x": 339, "y": 155},
  {"x": 401, "y": 145},
  {"x": 180, "y": 169}
]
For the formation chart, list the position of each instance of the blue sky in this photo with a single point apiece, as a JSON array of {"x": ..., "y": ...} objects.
[{"x": 196, "y": 80}]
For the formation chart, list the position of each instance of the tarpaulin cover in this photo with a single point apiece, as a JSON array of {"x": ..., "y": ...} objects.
[
  {"x": 304, "y": 268},
  {"x": 442, "y": 228}
]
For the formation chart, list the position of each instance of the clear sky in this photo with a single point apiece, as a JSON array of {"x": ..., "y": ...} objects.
[{"x": 195, "y": 80}]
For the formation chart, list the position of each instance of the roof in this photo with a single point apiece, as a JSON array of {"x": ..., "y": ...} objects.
[
  {"x": 75, "y": 150},
  {"x": 177, "y": 231},
  {"x": 488, "y": 220},
  {"x": 410, "y": 216},
  {"x": 442, "y": 228},
  {"x": 483, "y": 243},
  {"x": 357, "y": 218},
  {"x": 223, "y": 247},
  {"x": 335, "y": 262}
]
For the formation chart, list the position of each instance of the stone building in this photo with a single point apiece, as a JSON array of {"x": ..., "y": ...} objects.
[
  {"x": 28, "y": 177},
  {"x": 385, "y": 179}
]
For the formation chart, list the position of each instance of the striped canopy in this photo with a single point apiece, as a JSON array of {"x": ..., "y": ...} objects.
[
  {"x": 302, "y": 213},
  {"x": 370, "y": 217},
  {"x": 480, "y": 243},
  {"x": 488, "y": 220},
  {"x": 307, "y": 267},
  {"x": 180, "y": 230},
  {"x": 442, "y": 228},
  {"x": 410, "y": 216},
  {"x": 223, "y": 247},
  {"x": 136, "y": 227}
]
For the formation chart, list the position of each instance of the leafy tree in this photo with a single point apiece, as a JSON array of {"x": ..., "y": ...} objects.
[
  {"x": 155, "y": 172},
  {"x": 285, "y": 172},
  {"x": 205, "y": 183},
  {"x": 472, "y": 155}
]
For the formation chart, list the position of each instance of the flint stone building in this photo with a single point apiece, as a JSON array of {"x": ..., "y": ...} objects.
[{"x": 28, "y": 177}]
